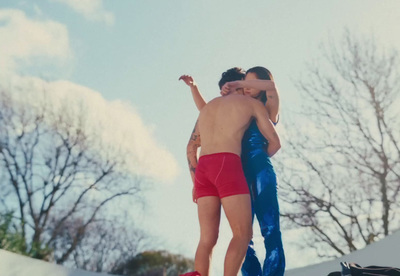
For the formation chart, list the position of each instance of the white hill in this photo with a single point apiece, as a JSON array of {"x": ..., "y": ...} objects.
[
  {"x": 12, "y": 264},
  {"x": 381, "y": 253}
]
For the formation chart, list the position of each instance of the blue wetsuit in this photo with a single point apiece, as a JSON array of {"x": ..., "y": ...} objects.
[{"x": 261, "y": 178}]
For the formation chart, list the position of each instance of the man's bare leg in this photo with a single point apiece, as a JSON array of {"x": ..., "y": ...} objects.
[
  {"x": 238, "y": 212},
  {"x": 209, "y": 212}
]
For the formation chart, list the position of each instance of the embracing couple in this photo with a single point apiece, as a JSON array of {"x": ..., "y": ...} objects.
[{"x": 237, "y": 137}]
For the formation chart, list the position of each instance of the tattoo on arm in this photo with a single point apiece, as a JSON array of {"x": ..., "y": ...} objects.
[
  {"x": 192, "y": 167},
  {"x": 193, "y": 145},
  {"x": 195, "y": 137}
]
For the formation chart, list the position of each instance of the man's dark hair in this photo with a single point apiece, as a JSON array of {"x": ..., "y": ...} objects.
[{"x": 233, "y": 74}]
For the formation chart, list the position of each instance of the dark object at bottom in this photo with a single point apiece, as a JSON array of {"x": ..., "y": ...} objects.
[{"x": 352, "y": 269}]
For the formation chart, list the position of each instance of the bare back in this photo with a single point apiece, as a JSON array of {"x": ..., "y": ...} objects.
[{"x": 222, "y": 123}]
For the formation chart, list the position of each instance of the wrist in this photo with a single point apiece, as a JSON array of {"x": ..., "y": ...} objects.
[{"x": 237, "y": 84}]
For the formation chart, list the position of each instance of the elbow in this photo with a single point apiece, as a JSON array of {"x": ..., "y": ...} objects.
[
  {"x": 278, "y": 146},
  {"x": 277, "y": 143},
  {"x": 274, "y": 148}
]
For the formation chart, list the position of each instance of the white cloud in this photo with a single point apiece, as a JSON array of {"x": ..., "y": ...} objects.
[
  {"x": 23, "y": 39},
  {"x": 116, "y": 122},
  {"x": 91, "y": 9}
]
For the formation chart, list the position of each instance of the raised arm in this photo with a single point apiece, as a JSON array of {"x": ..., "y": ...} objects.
[
  {"x": 266, "y": 128},
  {"x": 191, "y": 153},
  {"x": 197, "y": 97},
  {"x": 269, "y": 86},
  {"x": 266, "y": 85}
]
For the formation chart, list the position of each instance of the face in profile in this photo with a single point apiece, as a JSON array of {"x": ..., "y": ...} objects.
[{"x": 254, "y": 93}]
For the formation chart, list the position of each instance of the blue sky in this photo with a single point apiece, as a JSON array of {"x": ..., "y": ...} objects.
[{"x": 133, "y": 52}]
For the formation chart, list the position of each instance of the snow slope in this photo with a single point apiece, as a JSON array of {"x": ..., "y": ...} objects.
[
  {"x": 381, "y": 253},
  {"x": 12, "y": 264}
]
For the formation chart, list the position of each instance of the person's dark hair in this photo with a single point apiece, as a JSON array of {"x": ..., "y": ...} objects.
[
  {"x": 262, "y": 74},
  {"x": 233, "y": 74}
]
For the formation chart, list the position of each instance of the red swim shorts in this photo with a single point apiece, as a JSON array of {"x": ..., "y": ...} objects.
[{"x": 221, "y": 175}]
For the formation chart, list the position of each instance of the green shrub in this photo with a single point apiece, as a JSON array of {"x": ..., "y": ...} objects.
[{"x": 12, "y": 239}]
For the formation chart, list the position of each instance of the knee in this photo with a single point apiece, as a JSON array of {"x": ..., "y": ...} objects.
[
  {"x": 243, "y": 233},
  {"x": 209, "y": 241}
]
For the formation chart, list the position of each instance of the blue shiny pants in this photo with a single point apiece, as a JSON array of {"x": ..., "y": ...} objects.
[{"x": 263, "y": 189}]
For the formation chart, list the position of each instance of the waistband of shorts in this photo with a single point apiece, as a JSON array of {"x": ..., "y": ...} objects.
[{"x": 217, "y": 154}]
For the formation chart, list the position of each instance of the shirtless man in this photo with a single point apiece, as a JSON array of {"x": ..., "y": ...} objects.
[{"x": 218, "y": 176}]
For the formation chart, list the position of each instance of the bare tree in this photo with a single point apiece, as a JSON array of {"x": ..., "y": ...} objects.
[
  {"x": 155, "y": 263},
  {"x": 108, "y": 243},
  {"x": 341, "y": 172},
  {"x": 57, "y": 174}
]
